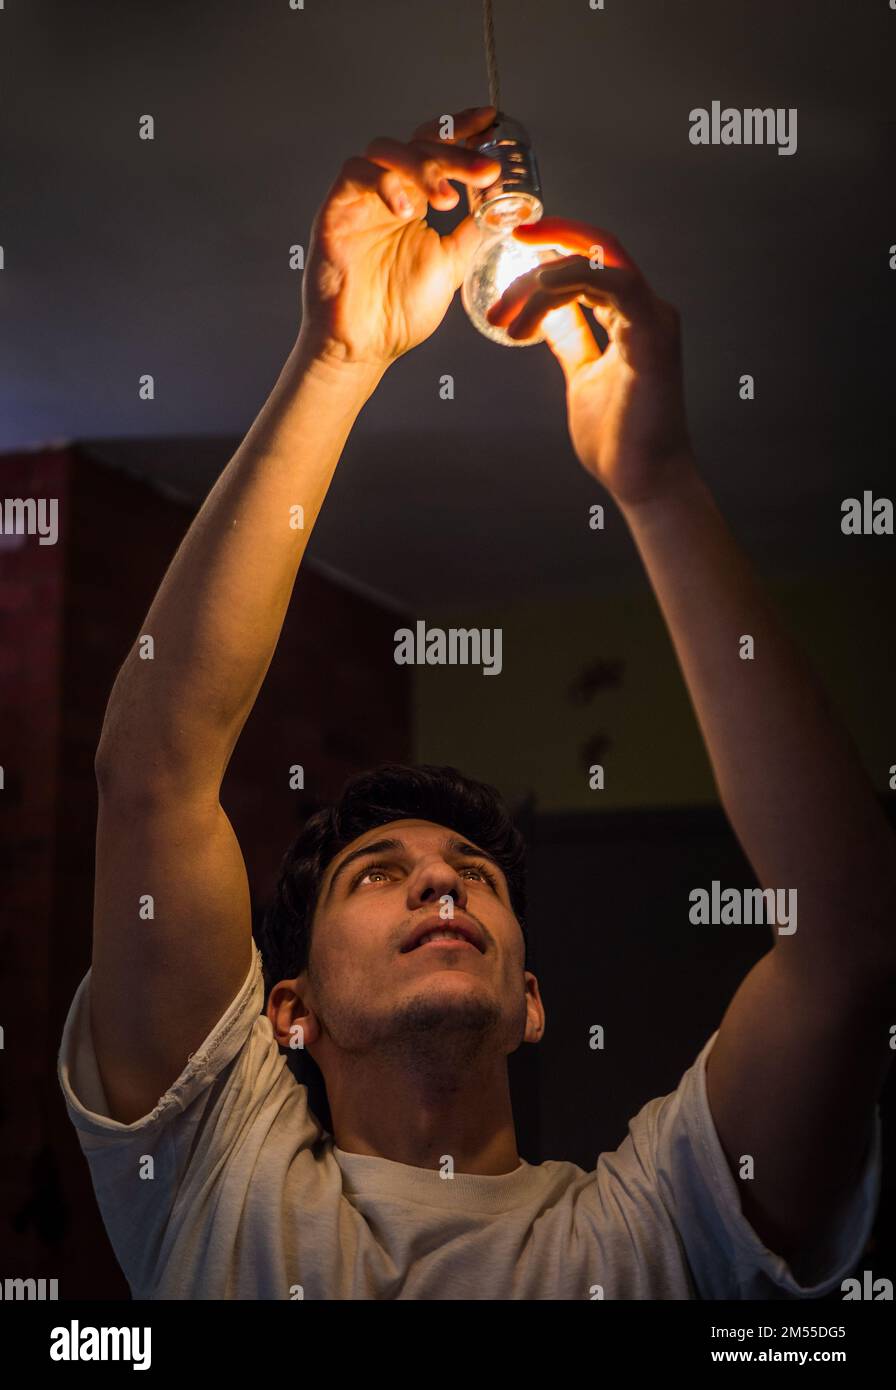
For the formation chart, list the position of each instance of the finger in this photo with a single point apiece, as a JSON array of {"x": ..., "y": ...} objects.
[
  {"x": 625, "y": 290},
  {"x": 468, "y": 122},
  {"x": 359, "y": 175},
  {"x": 470, "y": 165},
  {"x": 570, "y": 339},
  {"x": 530, "y": 296},
  {"x": 527, "y": 322},
  {"x": 429, "y": 166},
  {"x": 600, "y": 246},
  {"x": 543, "y": 302}
]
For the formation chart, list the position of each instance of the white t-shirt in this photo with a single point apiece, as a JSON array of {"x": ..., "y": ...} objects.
[{"x": 249, "y": 1197}]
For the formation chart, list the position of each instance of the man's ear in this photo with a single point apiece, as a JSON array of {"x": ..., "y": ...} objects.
[
  {"x": 535, "y": 1017},
  {"x": 293, "y": 1021}
]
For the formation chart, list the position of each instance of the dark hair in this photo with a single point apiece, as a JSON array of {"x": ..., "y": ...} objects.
[{"x": 388, "y": 792}]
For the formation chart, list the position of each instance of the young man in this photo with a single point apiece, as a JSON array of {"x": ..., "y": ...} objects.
[{"x": 757, "y": 1177}]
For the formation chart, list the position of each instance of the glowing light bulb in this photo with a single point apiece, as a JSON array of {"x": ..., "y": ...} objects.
[
  {"x": 514, "y": 198},
  {"x": 498, "y": 261}
]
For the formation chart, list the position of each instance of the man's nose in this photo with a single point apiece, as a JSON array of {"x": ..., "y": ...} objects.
[{"x": 435, "y": 881}]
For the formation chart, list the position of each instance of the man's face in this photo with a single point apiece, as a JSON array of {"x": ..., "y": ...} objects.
[{"x": 370, "y": 985}]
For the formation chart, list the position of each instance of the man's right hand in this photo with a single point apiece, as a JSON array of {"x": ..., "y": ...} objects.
[{"x": 378, "y": 279}]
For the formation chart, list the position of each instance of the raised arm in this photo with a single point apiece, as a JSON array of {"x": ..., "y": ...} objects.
[
  {"x": 172, "y": 934},
  {"x": 804, "y": 1047}
]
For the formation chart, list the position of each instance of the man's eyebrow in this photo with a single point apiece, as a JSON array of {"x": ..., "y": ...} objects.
[
  {"x": 387, "y": 845},
  {"x": 376, "y": 847}
]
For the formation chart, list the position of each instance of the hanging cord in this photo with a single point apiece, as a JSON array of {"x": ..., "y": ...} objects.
[{"x": 491, "y": 58}]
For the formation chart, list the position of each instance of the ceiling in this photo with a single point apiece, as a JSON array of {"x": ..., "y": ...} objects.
[{"x": 124, "y": 257}]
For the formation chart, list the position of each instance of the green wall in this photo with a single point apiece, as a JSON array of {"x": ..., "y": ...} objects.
[{"x": 521, "y": 731}]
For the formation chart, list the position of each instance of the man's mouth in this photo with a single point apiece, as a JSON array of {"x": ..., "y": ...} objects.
[
  {"x": 457, "y": 930},
  {"x": 443, "y": 936}
]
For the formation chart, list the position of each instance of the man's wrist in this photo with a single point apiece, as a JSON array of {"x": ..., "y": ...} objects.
[
  {"x": 680, "y": 486},
  {"x": 355, "y": 380}
]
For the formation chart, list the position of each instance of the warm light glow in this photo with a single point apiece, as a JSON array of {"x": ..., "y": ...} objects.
[{"x": 498, "y": 261}]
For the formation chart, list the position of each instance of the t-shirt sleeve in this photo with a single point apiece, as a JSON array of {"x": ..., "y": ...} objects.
[
  {"x": 678, "y": 1143},
  {"x": 142, "y": 1172}
]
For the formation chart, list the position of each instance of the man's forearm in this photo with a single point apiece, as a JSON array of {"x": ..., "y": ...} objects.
[
  {"x": 788, "y": 775},
  {"x": 217, "y": 616}
]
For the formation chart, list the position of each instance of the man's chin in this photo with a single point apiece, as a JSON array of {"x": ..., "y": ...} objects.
[{"x": 449, "y": 1000}]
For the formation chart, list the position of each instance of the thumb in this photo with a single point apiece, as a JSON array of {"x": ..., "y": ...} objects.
[
  {"x": 568, "y": 335},
  {"x": 461, "y": 246}
]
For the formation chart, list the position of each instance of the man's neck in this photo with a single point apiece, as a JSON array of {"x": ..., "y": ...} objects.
[{"x": 426, "y": 1121}]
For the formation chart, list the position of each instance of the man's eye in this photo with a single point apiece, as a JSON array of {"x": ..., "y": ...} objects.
[
  {"x": 373, "y": 869},
  {"x": 483, "y": 873},
  {"x": 479, "y": 869}
]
